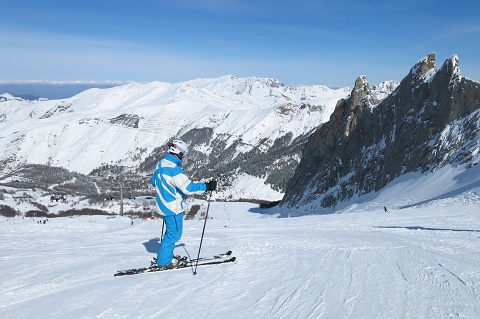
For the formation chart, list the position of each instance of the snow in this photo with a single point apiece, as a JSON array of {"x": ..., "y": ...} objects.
[
  {"x": 78, "y": 134},
  {"x": 418, "y": 260},
  {"x": 60, "y": 132},
  {"x": 244, "y": 190}
]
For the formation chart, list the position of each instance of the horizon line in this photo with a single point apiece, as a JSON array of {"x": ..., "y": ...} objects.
[{"x": 75, "y": 82}]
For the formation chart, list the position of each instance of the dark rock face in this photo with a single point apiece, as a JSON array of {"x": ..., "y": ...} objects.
[
  {"x": 128, "y": 120},
  {"x": 224, "y": 162},
  {"x": 367, "y": 144}
]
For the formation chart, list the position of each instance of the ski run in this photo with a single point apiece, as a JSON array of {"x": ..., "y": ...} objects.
[{"x": 417, "y": 262}]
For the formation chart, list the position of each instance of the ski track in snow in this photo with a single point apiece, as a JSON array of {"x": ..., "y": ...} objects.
[{"x": 410, "y": 263}]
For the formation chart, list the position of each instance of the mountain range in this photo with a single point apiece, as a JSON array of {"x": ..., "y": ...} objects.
[
  {"x": 246, "y": 132},
  {"x": 312, "y": 147}
]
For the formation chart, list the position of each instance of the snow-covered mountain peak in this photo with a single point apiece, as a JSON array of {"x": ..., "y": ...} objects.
[
  {"x": 423, "y": 66},
  {"x": 452, "y": 68},
  {"x": 128, "y": 124},
  {"x": 9, "y": 97},
  {"x": 383, "y": 89}
]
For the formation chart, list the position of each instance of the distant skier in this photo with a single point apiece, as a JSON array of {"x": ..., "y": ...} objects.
[
  {"x": 385, "y": 209},
  {"x": 171, "y": 187}
]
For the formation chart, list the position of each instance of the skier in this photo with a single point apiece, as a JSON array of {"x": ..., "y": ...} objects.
[{"x": 171, "y": 187}]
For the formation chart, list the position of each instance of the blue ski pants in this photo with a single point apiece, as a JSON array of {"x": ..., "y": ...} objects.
[{"x": 173, "y": 233}]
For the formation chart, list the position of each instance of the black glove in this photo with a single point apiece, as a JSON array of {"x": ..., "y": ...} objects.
[{"x": 211, "y": 186}]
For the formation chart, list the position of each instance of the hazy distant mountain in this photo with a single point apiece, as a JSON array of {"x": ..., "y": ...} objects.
[{"x": 34, "y": 90}]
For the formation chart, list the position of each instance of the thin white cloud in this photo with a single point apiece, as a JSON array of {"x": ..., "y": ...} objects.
[{"x": 458, "y": 30}]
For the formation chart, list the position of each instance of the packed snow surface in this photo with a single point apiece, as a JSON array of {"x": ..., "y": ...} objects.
[{"x": 416, "y": 262}]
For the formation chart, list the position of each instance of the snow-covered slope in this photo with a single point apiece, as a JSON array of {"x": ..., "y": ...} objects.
[
  {"x": 124, "y": 125},
  {"x": 85, "y": 131},
  {"x": 418, "y": 260}
]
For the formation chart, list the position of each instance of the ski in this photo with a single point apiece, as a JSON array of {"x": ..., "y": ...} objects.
[
  {"x": 215, "y": 260},
  {"x": 215, "y": 257},
  {"x": 144, "y": 270},
  {"x": 218, "y": 256}
]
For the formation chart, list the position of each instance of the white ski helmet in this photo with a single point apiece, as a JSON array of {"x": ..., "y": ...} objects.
[{"x": 178, "y": 147}]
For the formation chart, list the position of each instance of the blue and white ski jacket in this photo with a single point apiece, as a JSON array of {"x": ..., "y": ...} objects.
[{"x": 172, "y": 185}]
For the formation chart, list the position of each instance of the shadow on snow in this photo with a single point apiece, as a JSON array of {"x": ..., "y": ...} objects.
[
  {"x": 153, "y": 245},
  {"x": 428, "y": 228}
]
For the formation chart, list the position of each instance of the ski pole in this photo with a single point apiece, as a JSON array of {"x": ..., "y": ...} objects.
[
  {"x": 163, "y": 226},
  {"x": 203, "y": 232}
]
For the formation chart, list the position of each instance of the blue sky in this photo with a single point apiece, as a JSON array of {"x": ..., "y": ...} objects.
[{"x": 297, "y": 42}]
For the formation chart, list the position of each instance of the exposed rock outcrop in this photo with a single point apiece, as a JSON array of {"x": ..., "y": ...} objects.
[{"x": 366, "y": 145}]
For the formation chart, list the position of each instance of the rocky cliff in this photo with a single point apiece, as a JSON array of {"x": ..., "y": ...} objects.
[{"x": 368, "y": 143}]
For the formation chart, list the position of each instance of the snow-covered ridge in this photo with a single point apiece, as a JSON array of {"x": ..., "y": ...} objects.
[{"x": 84, "y": 131}]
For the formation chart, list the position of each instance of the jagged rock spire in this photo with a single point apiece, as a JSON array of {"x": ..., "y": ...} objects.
[{"x": 363, "y": 148}]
